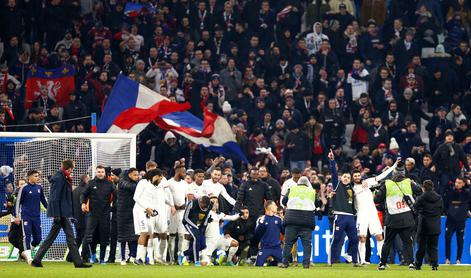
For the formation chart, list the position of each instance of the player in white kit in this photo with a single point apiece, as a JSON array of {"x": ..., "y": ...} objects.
[
  {"x": 179, "y": 190},
  {"x": 367, "y": 214},
  {"x": 296, "y": 174},
  {"x": 196, "y": 187},
  {"x": 212, "y": 187},
  {"x": 214, "y": 239},
  {"x": 149, "y": 211}
]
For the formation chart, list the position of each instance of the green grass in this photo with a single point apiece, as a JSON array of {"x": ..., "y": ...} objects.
[{"x": 65, "y": 270}]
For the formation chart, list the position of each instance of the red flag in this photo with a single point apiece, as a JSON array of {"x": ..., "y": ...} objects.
[{"x": 58, "y": 83}]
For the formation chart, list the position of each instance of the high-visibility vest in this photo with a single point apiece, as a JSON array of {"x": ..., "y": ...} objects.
[
  {"x": 395, "y": 192},
  {"x": 301, "y": 198}
]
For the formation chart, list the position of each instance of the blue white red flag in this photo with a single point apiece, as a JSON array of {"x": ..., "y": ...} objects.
[{"x": 132, "y": 106}]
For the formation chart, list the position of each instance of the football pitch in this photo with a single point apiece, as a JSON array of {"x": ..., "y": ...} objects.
[{"x": 65, "y": 270}]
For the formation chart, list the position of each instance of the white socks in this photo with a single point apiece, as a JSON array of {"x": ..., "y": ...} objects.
[
  {"x": 155, "y": 253},
  {"x": 27, "y": 254},
  {"x": 362, "y": 251},
  {"x": 163, "y": 250},
  {"x": 171, "y": 247},
  {"x": 379, "y": 247},
  {"x": 141, "y": 253},
  {"x": 183, "y": 244},
  {"x": 231, "y": 252},
  {"x": 150, "y": 250}
]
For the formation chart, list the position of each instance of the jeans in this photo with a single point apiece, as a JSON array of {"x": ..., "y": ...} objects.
[{"x": 292, "y": 233}]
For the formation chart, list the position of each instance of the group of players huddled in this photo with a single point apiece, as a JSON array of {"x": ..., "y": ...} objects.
[{"x": 165, "y": 219}]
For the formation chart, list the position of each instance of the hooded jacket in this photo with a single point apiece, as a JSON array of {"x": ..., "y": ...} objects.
[{"x": 314, "y": 39}]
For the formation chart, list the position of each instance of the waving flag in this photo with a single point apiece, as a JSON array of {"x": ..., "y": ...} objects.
[
  {"x": 58, "y": 82},
  {"x": 132, "y": 106},
  {"x": 136, "y": 9}
]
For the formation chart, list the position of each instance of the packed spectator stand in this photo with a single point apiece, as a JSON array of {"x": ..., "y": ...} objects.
[{"x": 291, "y": 75}]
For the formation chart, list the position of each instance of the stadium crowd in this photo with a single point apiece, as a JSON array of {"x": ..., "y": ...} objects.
[{"x": 289, "y": 76}]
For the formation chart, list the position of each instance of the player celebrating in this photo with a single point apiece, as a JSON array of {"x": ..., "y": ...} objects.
[
  {"x": 367, "y": 216},
  {"x": 212, "y": 187},
  {"x": 150, "y": 214},
  {"x": 214, "y": 239},
  {"x": 28, "y": 209},
  {"x": 344, "y": 211},
  {"x": 195, "y": 221},
  {"x": 196, "y": 187},
  {"x": 179, "y": 189}
]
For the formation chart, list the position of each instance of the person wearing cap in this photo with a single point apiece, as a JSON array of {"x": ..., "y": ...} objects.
[
  {"x": 397, "y": 194},
  {"x": 299, "y": 221},
  {"x": 168, "y": 152},
  {"x": 429, "y": 206},
  {"x": 448, "y": 157}
]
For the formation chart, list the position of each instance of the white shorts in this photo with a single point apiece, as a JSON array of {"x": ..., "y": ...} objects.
[
  {"x": 213, "y": 244},
  {"x": 141, "y": 224},
  {"x": 369, "y": 222},
  {"x": 158, "y": 224},
  {"x": 176, "y": 223}
]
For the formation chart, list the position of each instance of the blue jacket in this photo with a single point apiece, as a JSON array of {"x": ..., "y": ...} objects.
[
  {"x": 60, "y": 198},
  {"x": 29, "y": 199},
  {"x": 268, "y": 230}
]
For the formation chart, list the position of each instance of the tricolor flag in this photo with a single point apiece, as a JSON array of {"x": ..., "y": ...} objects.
[
  {"x": 132, "y": 106},
  {"x": 58, "y": 82}
]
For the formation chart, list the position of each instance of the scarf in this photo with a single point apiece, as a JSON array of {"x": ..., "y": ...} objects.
[{"x": 68, "y": 178}]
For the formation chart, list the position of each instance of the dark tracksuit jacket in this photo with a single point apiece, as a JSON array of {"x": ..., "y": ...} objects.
[
  {"x": 269, "y": 229},
  {"x": 344, "y": 221},
  {"x": 195, "y": 221},
  {"x": 28, "y": 209}
]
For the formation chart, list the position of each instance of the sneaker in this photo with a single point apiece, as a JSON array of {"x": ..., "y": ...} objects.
[
  {"x": 36, "y": 264},
  {"x": 197, "y": 264},
  {"x": 123, "y": 263},
  {"x": 366, "y": 263},
  {"x": 447, "y": 261},
  {"x": 348, "y": 258},
  {"x": 230, "y": 264},
  {"x": 458, "y": 262},
  {"x": 221, "y": 259},
  {"x": 357, "y": 265},
  {"x": 110, "y": 261},
  {"x": 284, "y": 265},
  {"x": 83, "y": 265},
  {"x": 435, "y": 268},
  {"x": 131, "y": 260},
  {"x": 102, "y": 262},
  {"x": 381, "y": 267},
  {"x": 138, "y": 262},
  {"x": 306, "y": 266},
  {"x": 412, "y": 267}
]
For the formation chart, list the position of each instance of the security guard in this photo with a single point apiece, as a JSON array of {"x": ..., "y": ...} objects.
[
  {"x": 397, "y": 195},
  {"x": 299, "y": 219}
]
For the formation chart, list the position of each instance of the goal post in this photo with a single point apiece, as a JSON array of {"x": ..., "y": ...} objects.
[{"x": 24, "y": 151}]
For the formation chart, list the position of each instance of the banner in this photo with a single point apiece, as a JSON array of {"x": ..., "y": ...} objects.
[{"x": 56, "y": 84}]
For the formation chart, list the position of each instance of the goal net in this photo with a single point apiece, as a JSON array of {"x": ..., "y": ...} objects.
[{"x": 21, "y": 152}]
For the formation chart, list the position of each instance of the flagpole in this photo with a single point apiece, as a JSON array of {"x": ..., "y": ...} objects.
[{"x": 93, "y": 119}]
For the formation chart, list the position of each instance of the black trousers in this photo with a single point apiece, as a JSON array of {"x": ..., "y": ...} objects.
[
  {"x": 406, "y": 235},
  {"x": 58, "y": 224},
  {"x": 94, "y": 223},
  {"x": 292, "y": 233},
  {"x": 113, "y": 240},
  {"x": 454, "y": 227},
  {"x": 79, "y": 233},
  {"x": 15, "y": 237},
  {"x": 427, "y": 244}
]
